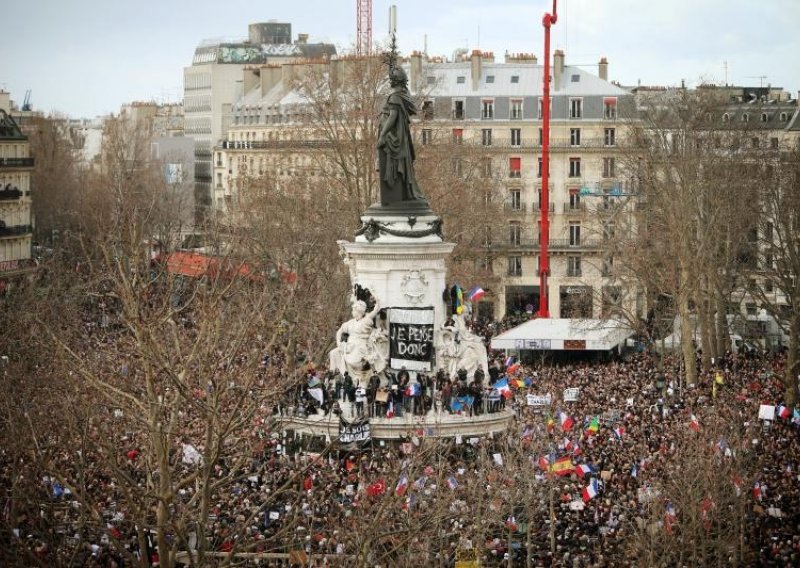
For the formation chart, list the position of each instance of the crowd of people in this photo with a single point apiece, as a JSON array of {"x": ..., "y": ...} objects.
[{"x": 592, "y": 479}]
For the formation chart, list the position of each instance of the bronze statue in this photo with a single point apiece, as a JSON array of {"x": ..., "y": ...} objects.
[{"x": 395, "y": 147}]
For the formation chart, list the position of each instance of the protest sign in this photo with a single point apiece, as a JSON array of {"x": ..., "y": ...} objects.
[
  {"x": 766, "y": 412},
  {"x": 539, "y": 400},
  {"x": 571, "y": 394},
  {"x": 357, "y": 431},
  {"x": 411, "y": 338}
]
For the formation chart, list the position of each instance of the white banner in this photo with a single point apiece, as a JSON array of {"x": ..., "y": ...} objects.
[
  {"x": 539, "y": 400},
  {"x": 571, "y": 394},
  {"x": 766, "y": 412}
]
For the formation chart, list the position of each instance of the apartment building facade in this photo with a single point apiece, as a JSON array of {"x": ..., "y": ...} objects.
[
  {"x": 16, "y": 223},
  {"x": 213, "y": 82},
  {"x": 495, "y": 107}
]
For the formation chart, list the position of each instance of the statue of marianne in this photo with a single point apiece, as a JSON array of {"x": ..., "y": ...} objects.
[{"x": 395, "y": 147}]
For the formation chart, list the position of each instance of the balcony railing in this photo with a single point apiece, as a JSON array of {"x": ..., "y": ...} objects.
[
  {"x": 514, "y": 207},
  {"x": 10, "y": 193},
  {"x": 16, "y": 162},
  {"x": 573, "y": 208},
  {"x": 15, "y": 230},
  {"x": 270, "y": 144},
  {"x": 554, "y": 245},
  {"x": 536, "y": 207}
]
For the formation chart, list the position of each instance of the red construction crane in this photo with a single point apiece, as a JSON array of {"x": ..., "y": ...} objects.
[
  {"x": 363, "y": 27},
  {"x": 544, "y": 237}
]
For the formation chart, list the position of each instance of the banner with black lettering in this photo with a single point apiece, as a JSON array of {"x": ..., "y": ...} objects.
[
  {"x": 356, "y": 432},
  {"x": 411, "y": 338}
]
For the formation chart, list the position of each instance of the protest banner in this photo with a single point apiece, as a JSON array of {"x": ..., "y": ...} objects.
[
  {"x": 539, "y": 400},
  {"x": 766, "y": 412},
  {"x": 357, "y": 432},
  {"x": 411, "y": 338},
  {"x": 571, "y": 394}
]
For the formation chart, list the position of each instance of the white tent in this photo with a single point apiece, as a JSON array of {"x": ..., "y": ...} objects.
[{"x": 553, "y": 334}]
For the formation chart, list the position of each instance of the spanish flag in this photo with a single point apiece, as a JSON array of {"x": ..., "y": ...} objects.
[{"x": 562, "y": 466}]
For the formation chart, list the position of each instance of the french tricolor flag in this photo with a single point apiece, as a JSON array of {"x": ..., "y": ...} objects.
[
  {"x": 503, "y": 388},
  {"x": 583, "y": 469},
  {"x": 783, "y": 411},
  {"x": 414, "y": 389},
  {"x": 590, "y": 491},
  {"x": 476, "y": 294},
  {"x": 566, "y": 421},
  {"x": 402, "y": 485}
]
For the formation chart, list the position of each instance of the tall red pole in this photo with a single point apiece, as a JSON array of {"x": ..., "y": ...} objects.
[{"x": 544, "y": 237}]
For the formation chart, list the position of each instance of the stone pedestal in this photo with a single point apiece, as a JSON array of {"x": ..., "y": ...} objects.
[{"x": 400, "y": 270}]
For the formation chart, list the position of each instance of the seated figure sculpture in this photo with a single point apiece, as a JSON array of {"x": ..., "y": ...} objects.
[
  {"x": 362, "y": 347},
  {"x": 460, "y": 348}
]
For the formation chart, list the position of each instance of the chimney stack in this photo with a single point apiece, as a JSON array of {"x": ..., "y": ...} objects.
[
  {"x": 602, "y": 69},
  {"x": 558, "y": 69},
  {"x": 475, "y": 68}
]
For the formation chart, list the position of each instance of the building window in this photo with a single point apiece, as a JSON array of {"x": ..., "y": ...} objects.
[
  {"x": 514, "y": 234},
  {"x": 784, "y": 117},
  {"x": 515, "y": 167},
  {"x": 609, "y": 167},
  {"x": 576, "y": 108},
  {"x": 516, "y": 109},
  {"x": 515, "y": 200},
  {"x": 574, "y": 199},
  {"x": 540, "y": 108},
  {"x": 745, "y": 117},
  {"x": 486, "y": 136},
  {"x": 541, "y": 136},
  {"x": 458, "y": 110},
  {"x": 427, "y": 110},
  {"x": 574, "y": 136},
  {"x": 458, "y": 167},
  {"x": 573, "y": 266},
  {"x": 574, "y": 167},
  {"x": 574, "y": 234},
  {"x": 539, "y": 165},
  {"x": 515, "y": 266},
  {"x": 427, "y": 136},
  {"x": 773, "y": 142},
  {"x": 609, "y": 230},
  {"x": 764, "y": 117},
  {"x": 490, "y": 78},
  {"x": 486, "y": 167},
  {"x": 515, "y": 78},
  {"x": 431, "y": 80},
  {"x": 458, "y": 136},
  {"x": 754, "y": 142},
  {"x": 461, "y": 79},
  {"x": 610, "y": 137},
  {"x": 610, "y": 108},
  {"x": 516, "y": 136},
  {"x": 487, "y": 110}
]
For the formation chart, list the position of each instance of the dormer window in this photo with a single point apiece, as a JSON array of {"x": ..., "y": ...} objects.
[
  {"x": 764, "y": 117},
  {"x": 726, "y": 117},
  {"x": 745, "y": 117}
]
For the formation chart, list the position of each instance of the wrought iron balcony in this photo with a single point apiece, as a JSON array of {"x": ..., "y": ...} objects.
[
  {"x": 16, "y": 162},
  {"x": 15, "y": 230},
  {"x": 10, "y": 193}
]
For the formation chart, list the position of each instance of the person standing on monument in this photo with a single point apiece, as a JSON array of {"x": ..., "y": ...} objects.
[{"x": 395, "y": 146}]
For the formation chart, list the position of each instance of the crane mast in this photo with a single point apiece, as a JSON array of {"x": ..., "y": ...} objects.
[{"x": 544, "y": 238}]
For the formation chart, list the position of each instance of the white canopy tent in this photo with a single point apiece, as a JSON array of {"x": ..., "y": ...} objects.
[{"x": 555, "y": 334}]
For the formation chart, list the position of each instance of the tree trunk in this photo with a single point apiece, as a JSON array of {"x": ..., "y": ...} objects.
[
  {"x": 706, "y": 333},
  {"x": 792, "y": 362},
  {"x": 723, "y": 333},
  {"x": 687, "y": 332}
]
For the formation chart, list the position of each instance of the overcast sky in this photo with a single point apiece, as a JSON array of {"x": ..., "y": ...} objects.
[{"x": 87, "y": 57}]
